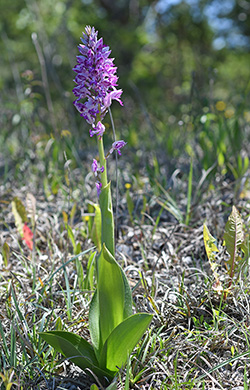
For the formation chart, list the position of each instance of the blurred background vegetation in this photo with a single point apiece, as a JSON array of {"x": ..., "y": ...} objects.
[{"x": 183, "y": 67}]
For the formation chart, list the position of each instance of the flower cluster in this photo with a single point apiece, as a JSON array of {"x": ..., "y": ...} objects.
[
  {"x": 96, "y": 83},
  {"x": 96, "y": 79}
]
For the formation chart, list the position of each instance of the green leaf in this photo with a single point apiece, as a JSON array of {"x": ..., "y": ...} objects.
[
  {"x": 95, "y": 309},
  {"x": 94, "y": 387},
  {"x": 172, "y": 208},
  {"x": 19, "y": 213},
  {"x": 234, "y": 238},
  {"x": 20, "y": 209},
  {"x": 123, "y": 339},
  {"x": 189, "y": 194},
  {"x": 71, "y": 237},
  {"x": 80, "y": 275},
  {"x": 78, "y": 248},
  {"x": 209, "y": 241},
  {"x": 6, "y": 254},
  {"x": 107, "y": 219},
  {"x": 211, "y": 249},
  {"x": 94, "y": 323},
  {"x": 113, "y": 385},
  {"x": 111, "y": 293},
  {"x": 89, "y": 278},
  {"x": 72, "y": 213},
  {"x": 96, "y": 231},
  {"x": 130, "y": 204},
  {"x": 127, "y": 307},
  {"x": 76, "y": 349},
  {"x": 70, "y": 345}
]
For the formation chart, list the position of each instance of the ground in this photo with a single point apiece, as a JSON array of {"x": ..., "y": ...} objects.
[{"x": 198, "y": 339}]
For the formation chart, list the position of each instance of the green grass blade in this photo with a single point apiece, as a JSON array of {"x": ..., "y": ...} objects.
[
  {"x": 225, "y": 363},
  {"x": 189, "y": 194},
  {"x": 68, "y": 261},
  {"x": 13, "y": 354}
]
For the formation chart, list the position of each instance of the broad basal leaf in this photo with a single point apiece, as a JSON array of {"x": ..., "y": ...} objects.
[
  {"x": 94, "y": 323},
  {"x": 233, "y": 237},
  {"x": 69, "y": 344},
  {"x": 99, "y": 306},
  {"x": 76, "y": 349},
  {"x": 127, "y": 307},
  {"x": 122, "y": 341},
  {"x": 111, "y": 293}
]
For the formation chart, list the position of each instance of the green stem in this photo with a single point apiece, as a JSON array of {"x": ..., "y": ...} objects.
[
  {"x": 105, "y": 202},
  {"x": 104, "y": 179}
]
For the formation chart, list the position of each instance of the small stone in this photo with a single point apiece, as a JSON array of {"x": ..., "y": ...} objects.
[
  {"x": 187, "y": 260},
  {"x": 125, "y": 249}
]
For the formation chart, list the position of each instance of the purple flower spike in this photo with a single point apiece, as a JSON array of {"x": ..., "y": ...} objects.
[
  {"x": 96, "y": 78},
  {"x": 99, "y": 130},
  {"x": 98, "y": 188},
  {"x": 117, "y": 145}
]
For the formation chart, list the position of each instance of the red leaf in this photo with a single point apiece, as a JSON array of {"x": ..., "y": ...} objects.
[{"x": 27, "y": 236}]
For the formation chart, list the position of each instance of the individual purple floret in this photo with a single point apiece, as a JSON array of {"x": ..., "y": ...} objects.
[
  {"x": 99, "y": 129},
  {"x": 94, "y": 166},
  {"x": 96, "y": 79},
  {"x": 98, "y": 188},
  {"x": 95, "y": 169},
  {"x": 117, "y": 145}
]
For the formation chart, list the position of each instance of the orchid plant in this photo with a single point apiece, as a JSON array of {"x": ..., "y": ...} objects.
[{"x": 114, "y": 329}]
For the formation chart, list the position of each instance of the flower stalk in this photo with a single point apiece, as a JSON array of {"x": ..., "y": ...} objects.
[{"x": 104, "y": 176}]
